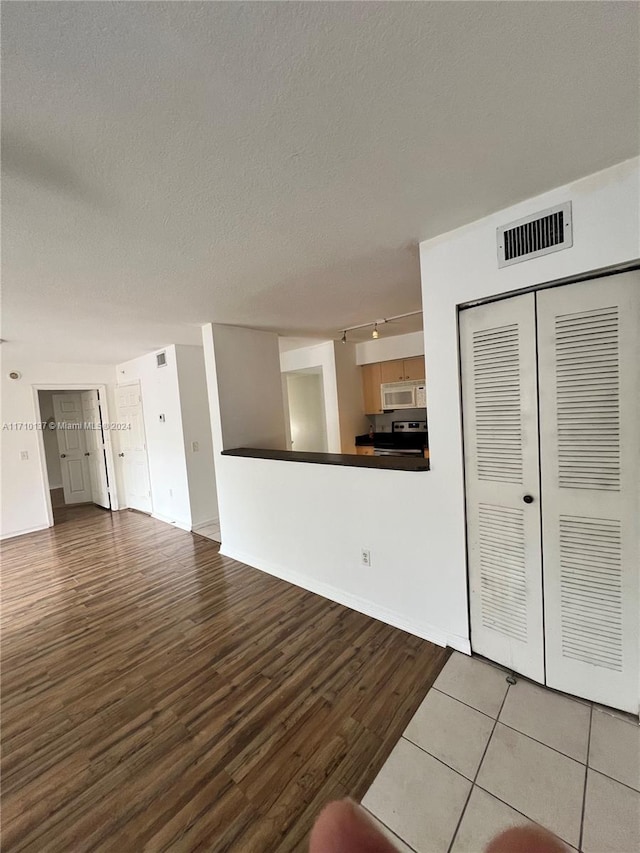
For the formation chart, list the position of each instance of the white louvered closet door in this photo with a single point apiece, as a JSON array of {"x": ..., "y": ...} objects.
[
  {"x": 502, "y": 467},
  {"x": 589, "y": 363}
]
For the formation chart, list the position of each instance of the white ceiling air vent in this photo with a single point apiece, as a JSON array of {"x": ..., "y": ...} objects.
[
  {"x": 540, "y": 234},
  {"x": 161, "y": 359}
]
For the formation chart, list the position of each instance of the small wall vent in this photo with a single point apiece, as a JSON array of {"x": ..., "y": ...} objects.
[
  {"x": 545, "y": 232},
  {"x": 161, "y": 359}
]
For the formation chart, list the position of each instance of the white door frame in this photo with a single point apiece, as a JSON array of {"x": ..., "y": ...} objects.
[{"x": 108, "y": 446}]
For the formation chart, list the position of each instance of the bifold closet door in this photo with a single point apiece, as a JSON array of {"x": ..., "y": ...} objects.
[
  {"x": 498, "y": 354},
  {"x": 589, "y": 372}
]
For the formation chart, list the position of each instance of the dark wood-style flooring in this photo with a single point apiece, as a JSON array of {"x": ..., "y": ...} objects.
[{"x": 157, "y": 696}]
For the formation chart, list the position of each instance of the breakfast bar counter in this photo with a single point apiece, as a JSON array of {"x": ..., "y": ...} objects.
[{"x": 387, "y": 463}]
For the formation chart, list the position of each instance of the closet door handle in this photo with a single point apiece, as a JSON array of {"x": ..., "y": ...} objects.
[{"x": 528, "y": 499}]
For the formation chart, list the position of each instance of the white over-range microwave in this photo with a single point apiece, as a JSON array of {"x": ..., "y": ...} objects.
[{"x": 403, "y": 395}]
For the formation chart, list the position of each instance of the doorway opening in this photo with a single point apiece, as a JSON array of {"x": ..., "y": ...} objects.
[
  {"x": 304, "y": 402},
  {"x": 75, "y": 452}
]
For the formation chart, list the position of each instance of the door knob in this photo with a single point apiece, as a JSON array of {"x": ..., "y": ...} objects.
[
  {"x": 87, "y": 453},
  {"x": 120, "y": 454},
  {"x": 528, "y": 499},
  {"x": 63, "y": 456}
]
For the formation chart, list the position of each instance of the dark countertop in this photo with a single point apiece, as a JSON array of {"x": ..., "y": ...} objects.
[
  {"x": 365, "y": 441},
  {"x": 389, "y": 439},
  {"x": 388, "y": 463}
]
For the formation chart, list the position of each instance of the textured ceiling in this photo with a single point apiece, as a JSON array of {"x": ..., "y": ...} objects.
[{"x": 276, "y": 164}]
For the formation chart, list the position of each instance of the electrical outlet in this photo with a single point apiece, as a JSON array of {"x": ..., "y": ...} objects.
[
  {"x": 24, "y": 455},
  {"x": 365, "y": 557},
  {"x": 170, "y": 493},
  {"x": 195, "y": 447}
]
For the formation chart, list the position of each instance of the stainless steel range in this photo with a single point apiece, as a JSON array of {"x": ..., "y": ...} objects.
[{"x": 407, "y": 438}]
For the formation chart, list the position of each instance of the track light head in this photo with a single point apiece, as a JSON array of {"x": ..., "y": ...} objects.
[
  {"x": 344, "y": 337},
  {"x": 375, "y": 334}
]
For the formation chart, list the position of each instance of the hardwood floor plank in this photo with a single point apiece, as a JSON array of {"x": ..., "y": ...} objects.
[{"x": 158, "y": 696}]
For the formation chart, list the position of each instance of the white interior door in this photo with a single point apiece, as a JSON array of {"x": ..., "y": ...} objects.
[
  {"x": 133, "y": 448},
  {"x": 95, "y": 455},
  {"x": 589, "y": 361},
  {"x": 67, "y": 410},
  {"x": 498, "y": 353}
]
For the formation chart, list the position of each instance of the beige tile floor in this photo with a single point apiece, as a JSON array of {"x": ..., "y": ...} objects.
[{"x": 481, "y": 755}]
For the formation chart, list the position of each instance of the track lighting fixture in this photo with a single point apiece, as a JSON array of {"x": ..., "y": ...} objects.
[{"x": 375, "y": 323}]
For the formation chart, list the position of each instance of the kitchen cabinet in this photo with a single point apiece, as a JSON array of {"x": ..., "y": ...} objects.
[
  {"x": 392, "y": 371},
  {"x": 414, "y": 368},
  {"x": 403, "y": 369},
  {"x": 365, "y": 450},
  {"x": 371, "y": 382}
]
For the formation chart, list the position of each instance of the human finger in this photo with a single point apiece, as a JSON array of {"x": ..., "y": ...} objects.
[
  {"x": 343, "y": 827},
  {"x": 526, "y": 839}
]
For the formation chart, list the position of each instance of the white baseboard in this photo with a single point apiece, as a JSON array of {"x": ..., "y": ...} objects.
[
  {"x": 172, "y": 521},
  {"x": 460, "y": 644},
  {"x": 202, "y": 524},
  {"x": 24, "y": 532},
  {"x": 355, "y": 602}
]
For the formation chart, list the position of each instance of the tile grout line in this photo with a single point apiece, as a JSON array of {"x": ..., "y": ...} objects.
[
  {"x": 392, "y": 831},
  {"x": 586, "y": 773},
  {"x": 435, "y": 758},
  {"x": 613, "y": 779},
  {"x": 520, "y": 677},
  {"x": 623, "y": 716},
  {"x": 542, "y": 743},
  {"x": 473, "y": 781},
  {"x": 525, "y": 816},
  {"x": 462, "y": 702},
  {"x": 513, "y": 729}
]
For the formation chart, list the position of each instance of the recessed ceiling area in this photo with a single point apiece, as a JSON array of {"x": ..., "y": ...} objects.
[{"x": 275, "y": 165}]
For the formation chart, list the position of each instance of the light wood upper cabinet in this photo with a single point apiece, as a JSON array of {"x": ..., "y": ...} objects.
[
  {"x": 414, "y": 368},
  {"x": 371, "y": 382},
  {"x": 392, "y": 371},
  {"x": 403, "y": 369}
]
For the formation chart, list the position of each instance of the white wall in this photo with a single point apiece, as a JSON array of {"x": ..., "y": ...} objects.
[
  {"x": 250, "y": 387},
  {"x": 306, "y": 523},
  {"x": 461, "y": 266},
  {"x": 51, "y": 450},
  {"x": 165, "y": 441},
  {"x": 386, "y": 349},
  {"x": 23, "y": 496},
  {"x": 353, "y": 421},
  {"x": 196, "y": 426}
]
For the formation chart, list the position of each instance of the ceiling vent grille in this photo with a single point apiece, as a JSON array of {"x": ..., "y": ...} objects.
[
  {"x": 161, "y": 359},
  {"x": 545, "y": 232}
]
